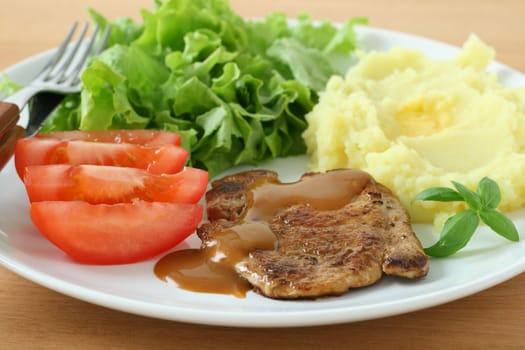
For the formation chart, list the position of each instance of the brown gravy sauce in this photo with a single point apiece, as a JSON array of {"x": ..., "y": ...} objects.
[{"x": 211, "y": 268}]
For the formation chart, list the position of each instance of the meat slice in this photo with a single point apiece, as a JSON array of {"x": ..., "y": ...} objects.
[
  {"x": 227, "y": 198},
  {"x": 319, "y": 252}
]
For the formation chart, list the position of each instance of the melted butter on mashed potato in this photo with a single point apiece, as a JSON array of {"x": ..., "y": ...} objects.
[{"x": 414, "y": 122}]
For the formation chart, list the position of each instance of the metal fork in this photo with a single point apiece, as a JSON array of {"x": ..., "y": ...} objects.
[{"x": 60, "y": 76}]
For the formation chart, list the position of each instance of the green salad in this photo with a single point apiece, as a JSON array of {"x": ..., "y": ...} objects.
[{"x": 236, "y": 90}]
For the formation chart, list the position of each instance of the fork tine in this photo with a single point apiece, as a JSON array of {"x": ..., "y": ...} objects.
[
  {"x": 72, "y": 77},
  {"x": 104, "y": 40},
  {"x": 60, "y": 51},
  {"x": 101, "y": 46},
  {"x": 66, "y": 62}
]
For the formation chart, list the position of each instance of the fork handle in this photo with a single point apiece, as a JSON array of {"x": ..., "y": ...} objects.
[
  {"x": 9, "y": 131},
  {"x": 7, "y": 146},
  {"x": 9, "y": 115}
]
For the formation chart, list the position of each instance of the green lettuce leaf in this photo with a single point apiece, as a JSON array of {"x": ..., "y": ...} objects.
[
  {"x": 7, "y": 86},
  {"x": 236, "y": 90}
]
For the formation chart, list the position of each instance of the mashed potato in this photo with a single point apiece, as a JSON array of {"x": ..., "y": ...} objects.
[{"x": 414, "y": 122}]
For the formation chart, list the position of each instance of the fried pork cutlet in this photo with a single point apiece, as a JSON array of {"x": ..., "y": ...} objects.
[{"x": 323, "y": 246}]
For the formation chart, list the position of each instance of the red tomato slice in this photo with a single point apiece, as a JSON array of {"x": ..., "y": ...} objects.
[
  {"x": 139, "y": 137},
  {"x": 115, "y": 233},
  {"x": 98, "y": 184},
  {"x": 165, "y": 159}
]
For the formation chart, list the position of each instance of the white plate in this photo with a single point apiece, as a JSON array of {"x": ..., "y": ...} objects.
[{"x": 487, "y": 260}]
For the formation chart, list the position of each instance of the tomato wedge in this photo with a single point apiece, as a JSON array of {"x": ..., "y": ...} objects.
[
  {"x": 115, "y": 233},
  {"x": 97, "y": 184},
  {"x": 164, "y": 159},
  {"x": 139, "y": 137}
]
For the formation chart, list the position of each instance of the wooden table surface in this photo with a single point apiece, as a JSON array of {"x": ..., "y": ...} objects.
[{"x": 33, "y": 317}]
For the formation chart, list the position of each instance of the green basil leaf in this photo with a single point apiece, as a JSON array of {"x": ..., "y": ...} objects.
[
  {"x": 500, "y": 224},
  {"x": 489, "y": 193},
  {"x": 471, "y": 197},
  {"x": 440, "y": 194},
  {"x": 456, "y": 233}
]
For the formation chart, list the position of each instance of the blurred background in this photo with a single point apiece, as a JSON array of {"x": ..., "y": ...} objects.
[{"x": 498, "y": 22}]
